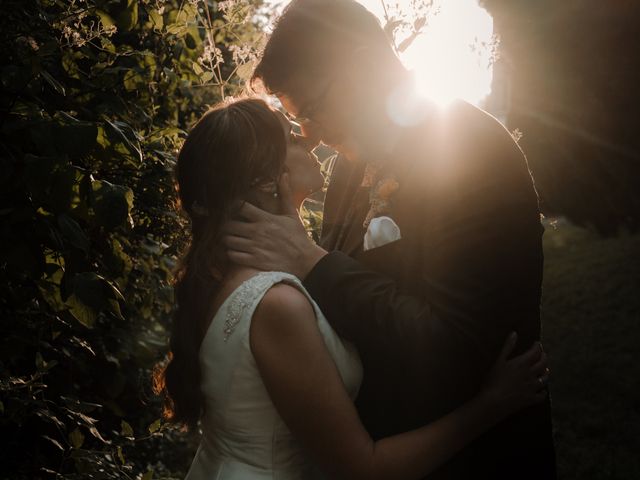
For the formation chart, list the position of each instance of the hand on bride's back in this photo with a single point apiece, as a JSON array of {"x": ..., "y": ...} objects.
[{"x": 518, "y": 382}]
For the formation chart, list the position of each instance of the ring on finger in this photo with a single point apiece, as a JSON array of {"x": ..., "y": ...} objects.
[{"x": 543, "y": 381}]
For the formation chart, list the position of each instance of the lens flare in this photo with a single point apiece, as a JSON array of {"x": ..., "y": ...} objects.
[{"x": 453, "y": 57}]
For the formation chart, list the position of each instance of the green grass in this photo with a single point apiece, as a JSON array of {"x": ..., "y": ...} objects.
[{"x": 591, "y": 320}]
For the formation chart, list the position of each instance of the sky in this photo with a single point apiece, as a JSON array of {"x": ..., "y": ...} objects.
[{"x": 443, "y": 59}]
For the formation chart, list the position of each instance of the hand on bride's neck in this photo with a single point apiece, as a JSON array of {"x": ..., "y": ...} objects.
[
  {"x": 271, "y": 202},
  {"x": 266, "y": 201}
]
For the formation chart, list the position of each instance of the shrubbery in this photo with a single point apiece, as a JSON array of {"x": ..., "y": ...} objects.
[{"x": 96, "y": 95}]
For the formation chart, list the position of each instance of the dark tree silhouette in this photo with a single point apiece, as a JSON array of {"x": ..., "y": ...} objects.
[{"x": 575, "y": 71}]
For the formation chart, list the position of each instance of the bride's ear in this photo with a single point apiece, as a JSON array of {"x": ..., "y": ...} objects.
[{"x": 268, "y": 188}]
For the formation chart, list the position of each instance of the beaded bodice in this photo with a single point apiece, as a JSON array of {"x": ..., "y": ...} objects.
[{"x": 242, "y": 298}]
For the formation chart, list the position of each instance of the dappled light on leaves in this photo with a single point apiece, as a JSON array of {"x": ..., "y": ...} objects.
[{"x": 96, "y": 99}]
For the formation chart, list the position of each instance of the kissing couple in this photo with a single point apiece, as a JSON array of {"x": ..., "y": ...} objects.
[{"x": 406, "y": 344}]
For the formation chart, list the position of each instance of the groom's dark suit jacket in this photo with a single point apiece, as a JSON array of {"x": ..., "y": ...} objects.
[{"x": 430, "y": 312}]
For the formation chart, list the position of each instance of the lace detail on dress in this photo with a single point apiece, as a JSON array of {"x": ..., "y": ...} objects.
[{"x": 243, "y": 298}]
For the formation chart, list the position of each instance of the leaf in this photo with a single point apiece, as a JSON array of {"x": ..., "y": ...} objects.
[
  {"x": 90, "y": 295},
  {"x": 132, "y": 80},
  {"x": 391, "y": 26},
  {"x": 128, "y": 18},
  {"x": 47, "y": 416},
  {"x": 206, "y": 77},
  {"x": 125, "y": 429},
  {"x": 156, "y": 18},
  {"x": 197, "y": 69},
  {"x": 49, "y": 365},
  {"x": 76, "y": 438},
  {"x": 1, "y": 408},
  {"x": 90, "y": 288},
  {"x": 178, "y": 29},
  {"x": 127, "y": 136},
  {"x": 407, "y": 42},
  {"x": 103, "y": 138},
  {"x": 112, "y": 203},
  {"x": 190, "y": 41},
  {"x": 114, "y": 307},
  {"x": 181, "y": 24},
  {"x": 120, "y": 259},
  {"x": 57, "y": 86},
  {"x": 53, "y": 441},
  {"x": 187, "y": 13},
  {"x": 245, "y": 70},
  {"x": 83, "y": 344},
  {"x": 155, "y": 426},
  {"x": 419, "y": 23},
  {"x": 76, "y": 405},
  {"x": 83, "y": 313},
  {"x": 39, "y": 361},
  {"x": 73, "y": 137},
  {"x": 120, "y": 455},
  {"x": 106, "y": 19},
  {"x": 147, "y": 476},
  {"x": 73, "y": 233},
  {"x": 94, "y": 431},
  {"x": 107, "y": 45},
  {"x": 81, "y": 417},
  {"x": 69, "y": 64}
]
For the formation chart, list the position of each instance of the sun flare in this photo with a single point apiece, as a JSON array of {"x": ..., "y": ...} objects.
[{"x": 452, "y": 58}]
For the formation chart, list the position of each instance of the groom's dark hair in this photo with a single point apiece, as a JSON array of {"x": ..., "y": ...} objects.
[{"x": 318, "y": 38}]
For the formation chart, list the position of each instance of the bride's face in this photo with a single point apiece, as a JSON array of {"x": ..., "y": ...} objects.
[{"x": 301, "y": 164}]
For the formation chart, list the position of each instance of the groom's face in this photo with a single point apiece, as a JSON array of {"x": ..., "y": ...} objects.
[{"x": 323, "y": 114}]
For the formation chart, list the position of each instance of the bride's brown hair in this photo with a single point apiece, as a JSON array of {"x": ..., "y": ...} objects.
[{"x": 233, "y": 146}]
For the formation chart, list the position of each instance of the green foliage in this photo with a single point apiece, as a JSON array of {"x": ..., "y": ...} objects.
[
  {"x": 96, "y": 97},
  {"x": 403, "y": 25}
]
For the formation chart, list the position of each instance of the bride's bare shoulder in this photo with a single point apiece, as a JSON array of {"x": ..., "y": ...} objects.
[
  {"x": 284, "y": 310},
  {"x": 283, "y": 298}
]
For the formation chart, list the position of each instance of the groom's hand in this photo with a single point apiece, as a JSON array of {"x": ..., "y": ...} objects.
[{"x": 272, "y": 242}]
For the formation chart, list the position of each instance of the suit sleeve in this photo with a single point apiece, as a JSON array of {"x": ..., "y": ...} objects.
[{"x": 479, "y": 264}]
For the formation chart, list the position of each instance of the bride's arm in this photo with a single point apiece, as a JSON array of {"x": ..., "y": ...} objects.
[{"x": 307, "y": 390}]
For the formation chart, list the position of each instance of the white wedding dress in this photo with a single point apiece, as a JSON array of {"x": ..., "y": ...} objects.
[{"x": 243, "y": 437}]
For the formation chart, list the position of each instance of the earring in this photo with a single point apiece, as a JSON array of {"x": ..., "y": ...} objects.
[{"x": 275, "y": 195}]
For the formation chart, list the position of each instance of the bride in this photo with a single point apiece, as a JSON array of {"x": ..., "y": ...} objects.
[{"x": 254, "y": 359}]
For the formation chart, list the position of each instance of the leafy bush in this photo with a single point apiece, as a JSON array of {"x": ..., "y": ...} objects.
[{"x": 96, "y": 95}]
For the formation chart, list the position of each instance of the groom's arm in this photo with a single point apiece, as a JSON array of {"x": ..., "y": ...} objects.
[
  {"x": 484, "y": 237},
  {"x": 483, "y": 243}
]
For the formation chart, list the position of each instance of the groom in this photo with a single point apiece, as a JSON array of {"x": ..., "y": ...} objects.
[{"x": 431, "y": 243}]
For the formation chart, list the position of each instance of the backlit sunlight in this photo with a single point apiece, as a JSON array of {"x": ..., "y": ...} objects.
[{"x": 452, "y": 58}]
